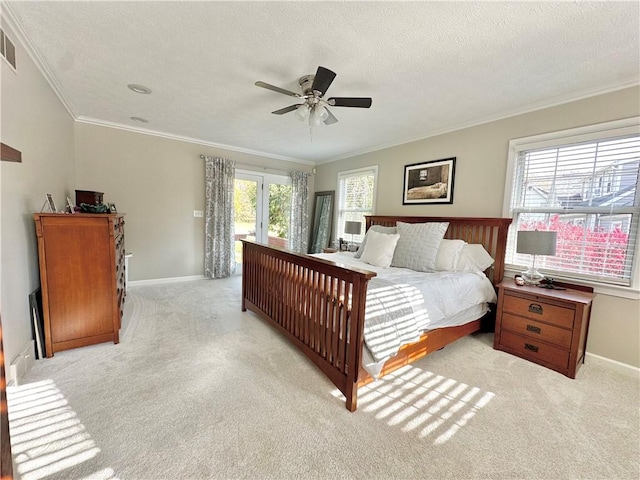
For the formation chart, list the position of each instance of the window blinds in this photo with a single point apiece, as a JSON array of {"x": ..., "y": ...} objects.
[{"x": 356, "y": 194}]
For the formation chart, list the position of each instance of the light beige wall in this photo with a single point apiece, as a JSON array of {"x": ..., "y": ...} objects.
[
  {"x": 158, "y": 182},
  {"x": 481, "y": 160},
  {"x": 36, "y": 123}
]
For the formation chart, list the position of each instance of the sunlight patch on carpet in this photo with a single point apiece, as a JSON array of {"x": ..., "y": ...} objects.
[
  {"x": 422, "y": 402},
  {"x": 47, "y": 436}
]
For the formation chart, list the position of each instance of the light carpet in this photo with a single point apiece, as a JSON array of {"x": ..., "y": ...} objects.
[{"x": 197, "y": 389}]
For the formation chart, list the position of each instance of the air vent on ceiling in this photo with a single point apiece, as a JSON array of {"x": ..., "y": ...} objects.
[{"x": 8, "y": 49}]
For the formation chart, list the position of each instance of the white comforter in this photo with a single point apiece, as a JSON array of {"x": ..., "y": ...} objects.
[{"x": 403, "y": 303}]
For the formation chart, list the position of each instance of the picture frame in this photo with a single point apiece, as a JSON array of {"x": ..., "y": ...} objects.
[
  {"x": 429, "y": 182},
  {"x": 50, "y": 202},
  {"x": 112, "y": 208},
  {"x": 37, "y": 322},
  {"x": 70, "y": 206}
]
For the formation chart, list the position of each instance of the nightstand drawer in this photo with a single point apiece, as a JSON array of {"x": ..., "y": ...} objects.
[
  {"x": 534, "y": 350},
  {"x": 538, "y": 310},
  {"x": 537, "y": 331}
]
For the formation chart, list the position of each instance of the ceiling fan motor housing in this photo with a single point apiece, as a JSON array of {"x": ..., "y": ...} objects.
[{"x": 306, "y": 82}]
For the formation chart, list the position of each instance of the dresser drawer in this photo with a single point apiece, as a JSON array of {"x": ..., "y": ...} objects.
[
  {"x": 534, "y": 350},
  {"x": 537, "y": 331},
  {"x": 538, "y": 310}
]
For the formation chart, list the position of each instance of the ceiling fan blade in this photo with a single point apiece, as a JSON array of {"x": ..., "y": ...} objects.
[
  {"x": 360, "y": 102},
  {"x": 277, "y": 89},
  {"x": 323, "y": 79},
  {"x": 331, "y": 119},
  {"x": 288, "y": 109}
]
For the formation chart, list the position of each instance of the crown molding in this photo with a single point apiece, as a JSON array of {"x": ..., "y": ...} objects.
[
  {"x": 196, "y": 141},
  {"x": 22, "y": 36}
]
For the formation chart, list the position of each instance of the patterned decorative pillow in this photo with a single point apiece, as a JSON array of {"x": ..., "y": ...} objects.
[
  {"x": 418, "y": 245},
  {"x": 374, "y": 228},
  {"x": 379, "y": 249}
]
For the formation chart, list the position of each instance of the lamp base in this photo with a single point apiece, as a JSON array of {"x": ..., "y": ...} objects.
[{"x": 532, "y": 276}]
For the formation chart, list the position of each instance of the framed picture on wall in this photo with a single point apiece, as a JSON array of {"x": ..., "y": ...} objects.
[{"x": 429, "y": 182}]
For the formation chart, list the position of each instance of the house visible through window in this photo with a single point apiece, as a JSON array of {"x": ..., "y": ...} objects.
[
  {"x": 583, "y": 185},
  {"x": 356, "y": 198}
]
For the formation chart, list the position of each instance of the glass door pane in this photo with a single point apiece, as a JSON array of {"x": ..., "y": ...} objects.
[
  {"x": 246, "y": 200},
  {"x": 279, "y": 212}
]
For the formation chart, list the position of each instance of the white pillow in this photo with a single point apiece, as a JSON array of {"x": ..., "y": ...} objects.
[
  {"x": 379, "y": 248},
  {"x": 448, "y": 255},
  {"x": 373, "y": 228},
  {"x": 473, "y": 258},
  {"x": 418, "y": 245}
]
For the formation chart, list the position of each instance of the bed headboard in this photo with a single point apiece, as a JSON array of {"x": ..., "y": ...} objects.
[{"x": 490, "y": 232}]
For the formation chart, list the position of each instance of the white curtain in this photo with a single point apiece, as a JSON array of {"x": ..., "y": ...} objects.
[
  {"x": 219, "y": 257},
  {"x": 299, "y": 227}
]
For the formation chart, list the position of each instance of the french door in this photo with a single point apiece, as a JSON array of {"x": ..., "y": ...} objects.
[{"x": 262, "y": 207}]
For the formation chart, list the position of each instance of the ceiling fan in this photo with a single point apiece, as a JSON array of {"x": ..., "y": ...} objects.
[{"x": 314, "y": 106}]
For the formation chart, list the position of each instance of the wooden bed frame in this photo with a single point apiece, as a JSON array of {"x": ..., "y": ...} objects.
[{"x": 319, "y": 305}]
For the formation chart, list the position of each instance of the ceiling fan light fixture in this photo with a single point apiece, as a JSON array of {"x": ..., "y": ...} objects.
[
  {"x": 302, "y": 112},
  {"x": 318, "y": 115}
]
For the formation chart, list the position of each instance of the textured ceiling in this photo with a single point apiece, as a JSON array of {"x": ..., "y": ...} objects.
[{"x": 430, "y": 67}]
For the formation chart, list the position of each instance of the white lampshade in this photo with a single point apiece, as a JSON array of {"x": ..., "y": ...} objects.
[{"x": 536, "y": 243}]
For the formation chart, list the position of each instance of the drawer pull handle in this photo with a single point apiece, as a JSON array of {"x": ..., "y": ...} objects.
[
  {"x": 535, "y": 308},
  {"x": 533, "y": 348},
  {"x": 532, "y": 328}
]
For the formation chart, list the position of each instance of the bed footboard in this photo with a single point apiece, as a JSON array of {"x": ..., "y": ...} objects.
[{"x": 318, "y": 305}]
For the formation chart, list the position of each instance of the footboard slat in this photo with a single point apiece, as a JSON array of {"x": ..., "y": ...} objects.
[{"x": 317, "y": 304}]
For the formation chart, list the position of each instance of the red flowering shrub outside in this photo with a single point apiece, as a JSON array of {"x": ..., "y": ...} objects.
[{"x": 598, "y": 252}]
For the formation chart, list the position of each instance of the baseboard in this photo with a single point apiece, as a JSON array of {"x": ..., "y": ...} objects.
[
  {"x": 624, "y": 368},
  {"x": 158, "y": 281},
  {"x": 22, "y": 364}
]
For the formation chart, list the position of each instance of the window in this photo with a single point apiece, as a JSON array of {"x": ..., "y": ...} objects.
[
  {"x": 356, "y": 198},
  {"x": 583, "y": 184}
]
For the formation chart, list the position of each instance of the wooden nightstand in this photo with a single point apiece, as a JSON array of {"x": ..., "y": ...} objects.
[
  {"x": 548, "y": 327},
  {"x": 329, "y": 250}
]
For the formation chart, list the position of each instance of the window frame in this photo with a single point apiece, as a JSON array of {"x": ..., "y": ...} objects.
[
  {"x": 339, "y": 218},
  {"x": 616, "y": 128}
]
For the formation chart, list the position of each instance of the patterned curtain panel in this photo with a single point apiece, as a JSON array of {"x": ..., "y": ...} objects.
[
  {"x": 299, "y": 228},
  {"x": 219, "y": 255}
]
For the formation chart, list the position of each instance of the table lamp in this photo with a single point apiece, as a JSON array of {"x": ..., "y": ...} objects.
[
  {"x": 353, "y": 228},
  {"x": 535, "y": 243}
]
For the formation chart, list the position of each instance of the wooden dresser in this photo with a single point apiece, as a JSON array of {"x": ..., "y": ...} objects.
[
  {"x": 82, "y": 278},
  {"x": 548, "y": 327}
]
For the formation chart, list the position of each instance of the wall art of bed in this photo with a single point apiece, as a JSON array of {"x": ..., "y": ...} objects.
[{"x": 429, "y": 182}]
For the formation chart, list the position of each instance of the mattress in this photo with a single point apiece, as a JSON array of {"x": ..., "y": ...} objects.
[{"x": 402, "y": 304}]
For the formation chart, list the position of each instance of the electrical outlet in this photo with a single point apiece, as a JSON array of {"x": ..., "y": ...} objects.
[{"x": 198, "y": 213}]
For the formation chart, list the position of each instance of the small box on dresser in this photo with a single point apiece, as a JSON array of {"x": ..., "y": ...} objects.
[{"x": 546, "y": 326}]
